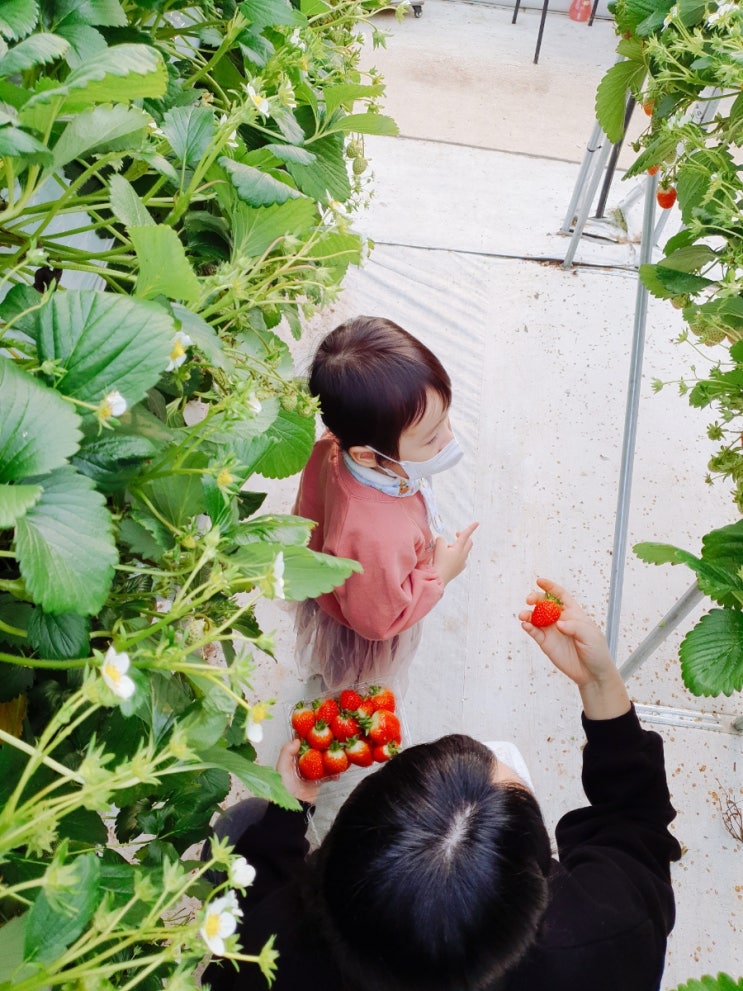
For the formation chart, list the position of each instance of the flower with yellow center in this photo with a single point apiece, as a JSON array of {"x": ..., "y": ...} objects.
[
  {"x": 225, "y": 478},
  {"x": 114, "y": 668},
  {"x": 220, "y": 921},
  {"x": 113, "y": 404},
  {"x": 178, "y": 347},
  {"x": 259, "y": 101},
  {"x": 254, "y": 722}
]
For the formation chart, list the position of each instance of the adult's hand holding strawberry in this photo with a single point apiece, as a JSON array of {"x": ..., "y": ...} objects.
[
  {"x": 286, "y": 765},
  {"x": 449, "y": 560},
  {"x": 578, "y": 648}
]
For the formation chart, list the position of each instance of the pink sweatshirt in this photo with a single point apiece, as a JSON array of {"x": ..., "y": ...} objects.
[{"x": 388, "y": 536}]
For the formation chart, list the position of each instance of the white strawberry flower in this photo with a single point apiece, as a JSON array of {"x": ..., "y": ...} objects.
[
  {"x": 253, "y": 403},
  {"x": 178, "y": 346},
  {"x": 242, "y": 874},
  {"x": 114, "y": 668},
  {"x": 723, "y": 9},
  {"x": 254, "y": 723},
  {"x": 220, "y": 921},
  {"x": 232, "y": 140},
  {"x": 112, "y": 404},
  {"x": 278, "y": 576},
  {"x": 258, "y": 100}
]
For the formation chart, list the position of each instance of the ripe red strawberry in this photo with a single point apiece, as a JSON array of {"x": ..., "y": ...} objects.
[
  {"x": 666, "y": 197},
  {"x": 320, "y": 736},
  {"x": 365, "y": 708},
  {"x": 345, "y": 725},
  {"x": 383, "y": 727},
  {"x": 350, "y": 699},
  {"x": 359, "y": 751},
  {"x": 326, "y": 709},
  {"x": 385, "y": 751},
  {"x": 310, "y": 764},
  {"x": 382, "y": 698},
  {"x": 547, "y": 611},
  {"x": 334, "y": 759},
  {"x": 303, "y": 719}
]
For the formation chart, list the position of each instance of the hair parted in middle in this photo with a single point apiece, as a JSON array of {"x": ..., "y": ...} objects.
[
  {"x": 372, "y": 379},
  {"x": 432, "y": 876}
]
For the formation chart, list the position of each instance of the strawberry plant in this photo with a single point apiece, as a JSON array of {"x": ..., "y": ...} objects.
[
  {"x": 176, "y": 195},
  {"x": 684, "y": 61}
]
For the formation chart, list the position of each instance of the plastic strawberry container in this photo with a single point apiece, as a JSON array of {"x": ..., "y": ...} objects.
[{"x": 355, "y": 771}]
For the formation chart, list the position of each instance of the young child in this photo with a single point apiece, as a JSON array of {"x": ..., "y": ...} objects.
[{"x": 384, "y": 398}]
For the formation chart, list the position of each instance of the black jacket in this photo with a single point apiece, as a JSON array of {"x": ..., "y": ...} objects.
[{"x": 611, "y": 902}]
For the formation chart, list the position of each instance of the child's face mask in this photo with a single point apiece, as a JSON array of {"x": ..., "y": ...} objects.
[{"x": 446, "y": 458}]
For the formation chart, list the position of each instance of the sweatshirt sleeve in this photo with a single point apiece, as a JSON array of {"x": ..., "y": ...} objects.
[
  {"x": 626, "y": 825},
  {"x": 276, "y": 846},
  {"x": 396, "y": 589}
]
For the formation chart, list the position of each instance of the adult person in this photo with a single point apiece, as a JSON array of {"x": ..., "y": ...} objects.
[{"x": 436, "y": 874}]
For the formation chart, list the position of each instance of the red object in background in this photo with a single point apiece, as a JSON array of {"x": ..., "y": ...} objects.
[{"x": 580, "y": 10}]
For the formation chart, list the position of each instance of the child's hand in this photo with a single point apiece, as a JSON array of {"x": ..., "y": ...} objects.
[
  {"x": 286, "y": 765},
  {"x": 578, "y": 648},
  {"x": 449, "y": 560}
]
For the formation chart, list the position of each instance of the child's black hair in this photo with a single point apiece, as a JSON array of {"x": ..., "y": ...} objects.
[{"x": 372, "y": 379}]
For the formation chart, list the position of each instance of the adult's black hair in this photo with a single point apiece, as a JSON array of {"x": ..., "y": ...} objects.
[
  {"x": 432, "y": 877},
  {"x": 372, "y": 379}
]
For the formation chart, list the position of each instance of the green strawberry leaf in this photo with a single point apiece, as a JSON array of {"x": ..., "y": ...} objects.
[
  {"x": 263, "y": 782},
  {"x": 65, "y": 546},
  {"x": 284, "y": 448},
  {"x": 279, "y": 529},
  {"x": 59, "y": 915},
  {"x": 712, "y": 654},
  {"x": 722, "y": 982},
  {"x": 116, "y": 128},
  {"x": 257, "y": 229},
  {"x": 164, "y": 268},
  {"x": 611, "y": 96},
  {"x": 18, "y": 18},
  {"x": 15, "y": 501},
  {"x": 39, "y": 431},
  {"x": 306, "y": 573},
  {"x": 654, "y": 553},
  {"x": 190, "y": 131},
  {"x": 39, "y": 49},
  {"x": 257, "y": 188},
  {"x": 59, "y": 637},
  {"x": 120, "y": 73},
  {"x": 369, "y": 123},
  {"x": 105, "y": 341}
]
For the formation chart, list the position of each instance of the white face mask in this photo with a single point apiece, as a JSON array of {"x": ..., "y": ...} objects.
[
  {"x": 509, "y": 754},
  {"x": 446, "y": 458}
]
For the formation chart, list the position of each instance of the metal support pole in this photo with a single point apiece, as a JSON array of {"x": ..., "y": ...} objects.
[
  {"x": 612, "y": 166},
  {"x": 666, "y": 626},
  {"x": 545, "y": 5},
  {"x": 580, "y": 223},
  {"x": 594, "y": 144},
  {"x": 630, "y": 424}
]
